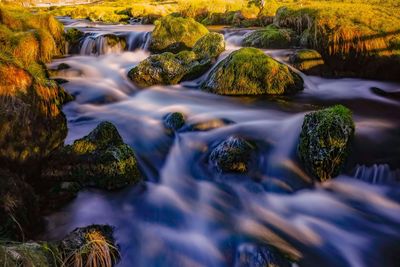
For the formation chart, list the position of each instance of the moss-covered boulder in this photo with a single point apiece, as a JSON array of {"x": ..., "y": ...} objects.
[
  {"x": 325, "y": 141},
  {"x": 29, "y": 254},
  {"x": 174, "y": 34},
  {"x": 210, "y": 45},
  {"x": 73, "y": 37},
  {"x": 100, "y": 159},
  {"x": 174, "y": 121},
  {"x": 271, "y": 37},
  {"x": 309, "y": 62},
  {"x": 168, "y": 68},
  {"x": 248, "y": 71},
  {"x": 232, "y": 155}
]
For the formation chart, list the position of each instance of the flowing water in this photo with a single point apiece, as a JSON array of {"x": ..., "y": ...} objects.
[{"x": 186, "y": 213}]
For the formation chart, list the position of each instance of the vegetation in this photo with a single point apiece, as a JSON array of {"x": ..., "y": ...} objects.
[
  {"x": 325, "y": 141},
  {"x": 249, "y": 71},
  {"x": 309, "y": 62}
]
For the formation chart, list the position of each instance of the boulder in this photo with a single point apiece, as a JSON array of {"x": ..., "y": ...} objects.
[
  {"x": 174, "y": 121},
  {"x": 168, "y": 68},
  {"x": 232, "y": 155},
  {"x": 309, "y": 62},
  {"x": 174, "y": 34},
  {"x": 271, "y": 37},
  {"x": 325, "y": 141},
  {"x": 100, "y": 159},
  {"x": 248, "y": 71},
  {"x": 210, "y": 46},
  {"x": 93, "y": 245}
]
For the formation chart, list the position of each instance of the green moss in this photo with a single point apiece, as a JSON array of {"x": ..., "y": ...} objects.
[
  {"x": 28, "y": 254},
  {"x": 175, "y": 34},
  {"x": 249, "y": 71},
  {"x": 100, "y": 159},
  {"x": 210, "y": 45},
  {"x": 309, "y": 62},
  {"x": 325, "y": 141},
  {"x": 271, "y": 37}
]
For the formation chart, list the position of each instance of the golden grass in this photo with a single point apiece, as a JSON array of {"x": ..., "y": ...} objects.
[{"x": 97, "y": 252}]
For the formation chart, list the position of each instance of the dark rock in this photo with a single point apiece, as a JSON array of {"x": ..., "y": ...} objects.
[
  {"x": 309, "y": 62},
  {"x": 174, "y": 121},
  {"x": 249, "y": 255},
  {"x": 232, "y": 155}
]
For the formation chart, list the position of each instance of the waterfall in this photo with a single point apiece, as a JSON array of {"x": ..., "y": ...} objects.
[
  {"x": 99, "y": 44},
  {"x": 138, "y": 40},
  {"x": 377, "y": 174}
]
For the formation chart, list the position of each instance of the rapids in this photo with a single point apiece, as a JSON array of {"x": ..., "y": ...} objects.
[{"x": 185, "y": 213}]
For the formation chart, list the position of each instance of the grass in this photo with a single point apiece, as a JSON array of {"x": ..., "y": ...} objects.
[{"x": 96, "y": 252}]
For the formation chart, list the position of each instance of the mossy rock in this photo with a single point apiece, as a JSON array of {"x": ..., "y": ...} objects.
[
  {"x": 248, "y": 71},
  {"x": 309, "y": 62},
  {"x": 168, "y": 68},
  {"x": 210, "y": 45},
  {"x": 100, "y": 159},
  {"x": 114, "y": 40},
  {"x": 325, "y": 141},
  {"x": 271, "y": 37},
  {"x": 174, "y": 121},
  {"x": 232, "y": 155},
  {"x": 174, "y": 34},
  {"x": 73, "y": 37},
  {"x": 29, "y": 254},
  {"x": 93, "y": 243}
]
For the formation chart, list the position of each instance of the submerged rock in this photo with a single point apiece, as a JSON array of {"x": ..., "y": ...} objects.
[
  {"x": 93, "y": 245},
  {"x": 309, "y": 62},
  {"x": 249, "y": 255},
  {"x": 174, "y": 121},
  {"x": 325, "y": 141},
  {"x": 270, "y": 37},
  {"x": 100, "y": 159},
  {"x": 232, "y": 155},
  {"x": 248, "y": 71},
  {"x": 168, "y": 68},
  {"x": 174, "y": 34}
]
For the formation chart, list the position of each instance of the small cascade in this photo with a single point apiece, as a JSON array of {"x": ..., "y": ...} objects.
[
  {"x": 377, "y": 174},
  {"x": 138, "y": 40},
  {"x": 95, "y": 44},
  {"x": 234, "y": 38}
]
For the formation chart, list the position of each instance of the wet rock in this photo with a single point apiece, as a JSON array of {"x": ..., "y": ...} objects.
[
  {"x": 100, "y": 159},
  {"x": 28, "y": 254},
  {"x": 248, "y": 71},
  {"x": 232, "y": 155},
  {"x": 113, "y": 40},
  {"x": 249, "y": 255},
  {"x": 210, "y": 46},
  {"x": 174, "y": 121},
  {"x": 63, "y": 66},
  {"x": 271, "y": 37},
  {"x": 383, "y": 93},
  {"x": 309, "y": 62},
  {"x": 92, "y": 244},
  {"x": 174, "y": 34},
  {"x": 325, "y": 141},
  {"x": 19, "y": 207}
]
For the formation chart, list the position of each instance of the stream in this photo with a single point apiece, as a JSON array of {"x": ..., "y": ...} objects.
[{"x": 186, "y": 214}]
